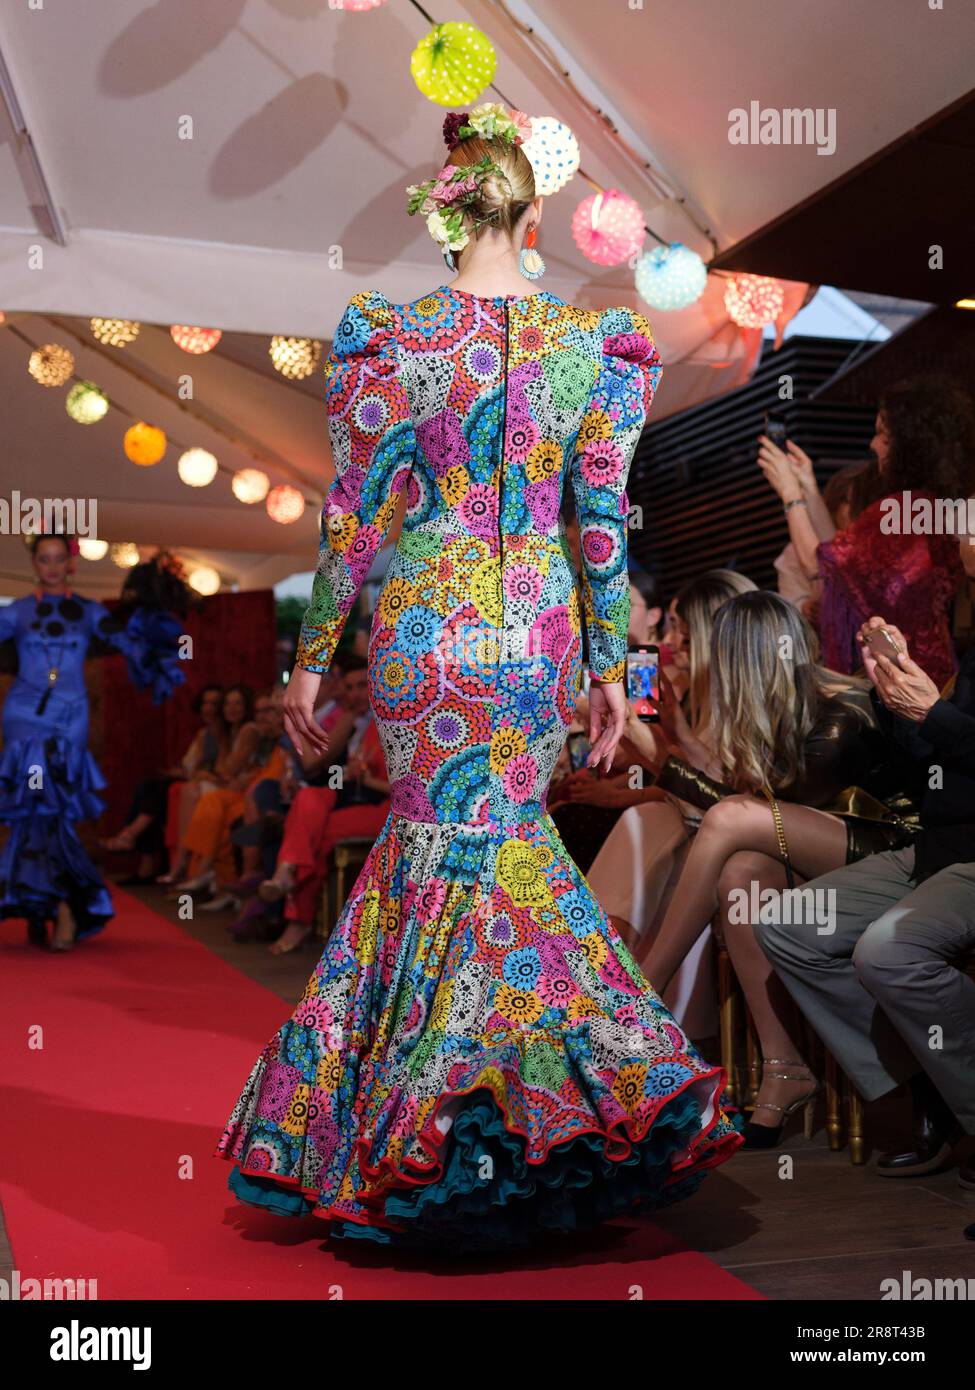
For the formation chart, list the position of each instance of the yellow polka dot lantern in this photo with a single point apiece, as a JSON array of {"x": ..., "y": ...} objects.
[
  {"x": 144, "y": 444},
  {"x": 285, "y": 504},
  {"x": 86, "y": 403},
  {"x": 51, "y": 365},
  {"x": 453, "y": 63},
  {"x": 115, "y": 332}
]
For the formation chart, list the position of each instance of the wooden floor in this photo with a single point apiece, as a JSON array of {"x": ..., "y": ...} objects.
[{"x": 796, "y": 1223}]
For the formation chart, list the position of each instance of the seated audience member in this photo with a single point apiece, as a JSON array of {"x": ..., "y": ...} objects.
[
  {"x": 207, "y": 837},
  {"x": 887, "y": 974},
  {"x": 779, "y": 728},
  {"x": 885, "y": 562},
  {"x": 323, "y": 813},
  {"x": 266, "y": 804},
  {"x": 586, "y": 807},
  {"x": 145, "y": 826},
  {"x": 637, "y": 860},
  {"x": 238, "y": 741}
]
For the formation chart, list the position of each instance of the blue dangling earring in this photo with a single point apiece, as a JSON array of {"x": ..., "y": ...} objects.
[
  {"x": 449, "y": 260},
  {"x": 530, "y": 261}
]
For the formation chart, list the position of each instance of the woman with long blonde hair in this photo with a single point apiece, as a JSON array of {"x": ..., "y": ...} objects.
[{"x": 781, "y": 726}]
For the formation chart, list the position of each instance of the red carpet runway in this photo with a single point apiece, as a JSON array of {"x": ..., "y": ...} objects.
[{"x": 120, "y": 1063}]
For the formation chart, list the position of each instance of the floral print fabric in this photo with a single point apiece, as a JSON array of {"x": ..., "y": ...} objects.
[{"x": 472, "y": 963}]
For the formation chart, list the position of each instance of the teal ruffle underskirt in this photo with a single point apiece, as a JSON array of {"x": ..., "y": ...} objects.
[{"x": 577, "y": 1187}]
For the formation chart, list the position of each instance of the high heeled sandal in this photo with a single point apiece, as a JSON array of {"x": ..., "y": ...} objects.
[{"x": 767, "y": 1136}]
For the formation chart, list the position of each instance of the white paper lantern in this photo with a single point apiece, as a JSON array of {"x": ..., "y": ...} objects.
[
  {"x": 90, "y": 549},
  {"x": 204, "y": 580},
  {"x": 197, "y": 467},
  {"x": 553, "y": 153},
  {"x": 250, "y": 485}
]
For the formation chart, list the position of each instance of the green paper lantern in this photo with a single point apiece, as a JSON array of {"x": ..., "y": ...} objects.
[
  {"x": 86, "y": 403},
  {"x": 453, "y": 64}
]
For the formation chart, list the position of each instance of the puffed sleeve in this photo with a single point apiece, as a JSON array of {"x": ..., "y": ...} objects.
[
  {"x": 373, "y": 448},
  {"x": 599, "y": 464},
  {"x": 149, "y": 641}
]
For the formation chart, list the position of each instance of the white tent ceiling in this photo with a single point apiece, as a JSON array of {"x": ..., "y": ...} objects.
[{"x": 306, "y": 128}]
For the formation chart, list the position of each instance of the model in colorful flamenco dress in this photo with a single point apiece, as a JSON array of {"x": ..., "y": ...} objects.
[
  {"x": 476, "y": 1055},
  {"x": 49, "y": 781}
]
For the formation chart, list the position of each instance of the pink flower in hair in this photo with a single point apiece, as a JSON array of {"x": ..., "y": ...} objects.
[{"x": 523, "y": 123}]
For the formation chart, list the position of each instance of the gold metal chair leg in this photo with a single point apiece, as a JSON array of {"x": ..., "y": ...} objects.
[
  {"x": 858, "y": 1146},
  {"x": 727, "y": 1010},
  {"x": 834, "y": 1113}
]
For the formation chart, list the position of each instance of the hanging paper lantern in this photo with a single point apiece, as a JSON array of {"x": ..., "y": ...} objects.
[
  {"x": 753, "y": 300},
  {"x": 608, "y": 227},
  {"x": 250, "y": 485},
  {"x": 115, "y": 332},
  {"x": 671, "y": 277},
  {"x": 553, "y": 153},
  {"x": 125, "y": 554},
  {"x": 195, "y": 340},
  {"x": 90, "y": 549},
  {"x": 144, "y": 444},
  {"x": 86, "y": 403},
  {"x": 3, "y": 318},
  {"x": 355, "y": 4},
  {"x": 204, "y": 580},
  {"x": 453, "y": 63},
  {"x": 285, "y": 504},
  {"x": 295, "y": 357},
  {"x": 51, "y": 364},
  {"x": 197, "y": 467}
]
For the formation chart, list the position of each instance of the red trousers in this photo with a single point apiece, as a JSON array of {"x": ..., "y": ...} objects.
[{"x": 311, "y": 831}]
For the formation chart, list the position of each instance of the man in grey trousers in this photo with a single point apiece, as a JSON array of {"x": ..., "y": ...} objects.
[{"x": 883, "y": 990}]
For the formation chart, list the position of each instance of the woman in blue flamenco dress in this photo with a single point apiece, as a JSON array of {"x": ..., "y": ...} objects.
[
  {"x": 48, "y": 779},
  {"x": 477, "y": 1060}
]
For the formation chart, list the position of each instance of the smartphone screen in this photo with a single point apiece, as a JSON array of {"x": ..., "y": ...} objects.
[
  {"x": 579, "y": 750},
  {"x": 775, "y": 429},
  {"x": 643, "y": 681}
]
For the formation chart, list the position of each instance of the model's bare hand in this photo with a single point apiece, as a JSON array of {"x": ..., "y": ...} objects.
[
  {"x": 607, "y": 720},
  {"x": 299, "y": 712}
]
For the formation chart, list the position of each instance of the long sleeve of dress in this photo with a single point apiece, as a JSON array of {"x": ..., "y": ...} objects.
[
  {"x": 599, "y": 466},
  {"x": 149, "y": 643},
  {"x": 373, "y": 449}
]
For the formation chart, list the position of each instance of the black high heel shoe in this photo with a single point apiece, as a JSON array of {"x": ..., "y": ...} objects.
[{"x": 767, "y": 1136}]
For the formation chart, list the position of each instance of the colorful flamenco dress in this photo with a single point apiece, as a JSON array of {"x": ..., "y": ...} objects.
[
  {"x": 48, "y": 779},
  {"x": 476, "y": 1058}
]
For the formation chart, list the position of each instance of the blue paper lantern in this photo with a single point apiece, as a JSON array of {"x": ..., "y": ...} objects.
[{"x": 670, "y": 277}]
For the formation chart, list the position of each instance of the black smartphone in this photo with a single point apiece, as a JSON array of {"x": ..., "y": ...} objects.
[
  {"x": 643, "y": 682},
  {"x": 775, "y": 429}
]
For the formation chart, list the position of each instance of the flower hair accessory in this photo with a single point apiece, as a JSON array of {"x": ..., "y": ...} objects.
[{"x": 445, "y": 200}]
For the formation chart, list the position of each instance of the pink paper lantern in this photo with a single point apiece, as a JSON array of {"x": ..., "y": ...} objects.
[
  {"x": 356, "y": 4},
  {"x": 284, "y": 504},
  {"x": 608, "y": 227},
  {"x": 752, "y": 301},
  {"x": 195, "y": 340}
]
